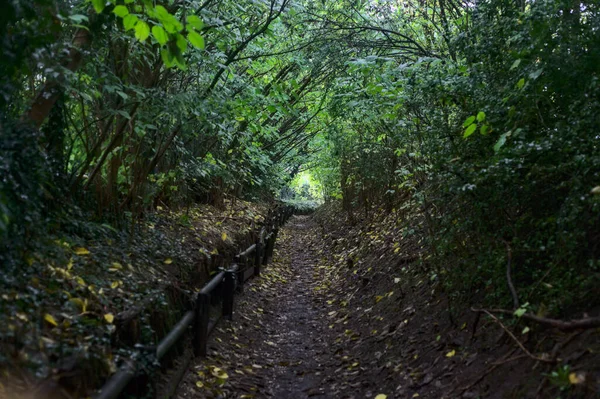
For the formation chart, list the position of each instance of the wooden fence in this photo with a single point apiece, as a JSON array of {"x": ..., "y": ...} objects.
[{"x": 221, "y": 290}]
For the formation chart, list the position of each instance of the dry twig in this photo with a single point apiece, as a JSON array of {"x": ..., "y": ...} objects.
[
  {"x": 590, "y": 322},
  {"x": 519, "y": 344}
]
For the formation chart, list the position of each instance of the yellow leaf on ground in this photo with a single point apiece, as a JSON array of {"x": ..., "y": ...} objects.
[
  {"x": 81, "y": 251},
  {"x": 116, "y": 266},
  {"x": 451, "y": 353},
  {"x": 217, "y": 372},
  {"x": 168, "y": 261},
  {"x": 114, "y": 284},
  {"x": 199, "y": 384},
  {"x": 82, "y": 305},
  {"x": 223, "y": 236},
  {"x": 109, "y": 317},
  {"x": 50, "y": 319},
  {"x": 381, "y": 396},
  {"x": 576, "y": 378}
]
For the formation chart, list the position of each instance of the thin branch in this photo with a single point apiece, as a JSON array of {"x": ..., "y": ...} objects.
[
  {"x": 509, "y": 281},
  {"x": 589, "y": 322},
  {"x": 519, "y": 344}
]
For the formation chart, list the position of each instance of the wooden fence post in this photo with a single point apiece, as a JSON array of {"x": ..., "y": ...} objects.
[
  {"x": 264, "y": 248},
  {"x": 257, "y": 259},
  {"x": 240, "y": 272},
  {"x": 273, "y": 240},
  {"x": 201, "y": 324},
  {"x": 228, "y": 293}
]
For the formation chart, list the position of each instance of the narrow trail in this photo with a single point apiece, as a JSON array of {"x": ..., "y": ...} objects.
[{"x": 279, "y": 343}]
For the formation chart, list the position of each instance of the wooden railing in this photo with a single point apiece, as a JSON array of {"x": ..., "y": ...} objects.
[{"x": 221, "y": 290}]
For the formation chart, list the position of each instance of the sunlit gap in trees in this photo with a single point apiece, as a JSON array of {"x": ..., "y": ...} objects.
[{"x": 304, "y": 187}]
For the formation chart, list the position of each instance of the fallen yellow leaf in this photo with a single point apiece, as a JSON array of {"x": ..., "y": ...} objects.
[
  {"x": 115, "y": 266},
  {"x": 381, "y": 396},
  {"x": 50, "y": 319},
  {"x": 223, "y": 236},
  {"x": 576, "y": 378},
  {"x": 199, "y": 384},
  {"x": 217, "y": 372},
  {"x": 81, "y": 251},
  {"x": 114, "y": 284},
  {"x": 82, "y": 305},
  {"x": 109, "y": 317},
  {"x": 451, "y": 353},
  {"x": 168, "y": 261}
]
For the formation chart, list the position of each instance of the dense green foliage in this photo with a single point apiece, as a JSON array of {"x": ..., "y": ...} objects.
[
  {"x": 481, "y": 116},
  {"x": 490, "y": 132}
]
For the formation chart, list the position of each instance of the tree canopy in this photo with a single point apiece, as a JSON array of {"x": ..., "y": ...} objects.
[{"x": 481, "y": 116}]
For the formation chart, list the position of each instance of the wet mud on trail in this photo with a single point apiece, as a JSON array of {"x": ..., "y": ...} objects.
[{"x": 279, "y": 343}]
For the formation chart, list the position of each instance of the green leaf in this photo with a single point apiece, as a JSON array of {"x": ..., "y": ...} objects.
[
  {"x": 168, "y": 21},
  {"x": 470, "y": 130},
  {"x": 196, "y": 40},
  {"x": 501, "y": 141},
  {"x": 515, "y": 64},
  {"x": 484, "y": 129},
  {"x": 121, "y": 11},
  {"x": 195, "y": 22},
  {"x": 520, "y": 312},
  {"x": 160, "y": 35},
  {"x": 161, "y": 12},
  {"x": 142, "y": 31},
  {"x": 180, "y": 62},
  {"x": 98, "y": 5},
  {"x": 468, "y": 121},
  {"x": 181, "y": 44},
  {"x": 78, "y": 18},
  {"x": 521, "y": 83},
  {"x": 536, "y": 74},
  {"x": 167, "y": 58},
  {"x": 481, "y": 116},
  {"x": 129, "y": 22}
]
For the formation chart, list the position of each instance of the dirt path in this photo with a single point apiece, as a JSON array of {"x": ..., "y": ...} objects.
[
  {"x": 279, "y": 343},
  {"x": 315, "y": 326}
]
